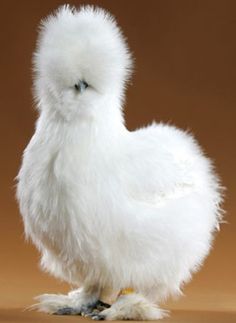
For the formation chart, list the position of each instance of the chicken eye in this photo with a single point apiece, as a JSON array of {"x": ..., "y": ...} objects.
[{"x": 81, "y": 86}]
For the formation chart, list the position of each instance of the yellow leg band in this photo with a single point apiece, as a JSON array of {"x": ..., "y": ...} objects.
[{"x": 126, "y": 291}]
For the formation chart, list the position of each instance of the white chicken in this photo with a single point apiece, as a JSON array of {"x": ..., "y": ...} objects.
[{"x": 111, "y": 210}]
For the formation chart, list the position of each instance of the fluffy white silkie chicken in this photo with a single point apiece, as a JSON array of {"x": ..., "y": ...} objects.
[{"x": 111, "y": 211}]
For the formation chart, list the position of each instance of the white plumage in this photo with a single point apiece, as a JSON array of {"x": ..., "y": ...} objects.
[{"x": 109, "y": 209}]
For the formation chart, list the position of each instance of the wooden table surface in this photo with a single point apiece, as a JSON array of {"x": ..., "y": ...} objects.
[{"x": 17, "y": 315}]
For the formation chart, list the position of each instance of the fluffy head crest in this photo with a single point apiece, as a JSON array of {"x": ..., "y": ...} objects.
[{"x": 83, "y": 44}]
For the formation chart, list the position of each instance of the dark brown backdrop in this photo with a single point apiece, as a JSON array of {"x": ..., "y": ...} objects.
[{"x": 185, "y": 73}]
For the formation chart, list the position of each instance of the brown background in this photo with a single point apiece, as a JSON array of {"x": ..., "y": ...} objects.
[{"x": 185, "y": 73}]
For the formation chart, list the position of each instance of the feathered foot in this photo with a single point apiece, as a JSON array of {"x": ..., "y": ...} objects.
[
  {"x": 71, "y": 304},
  {"x": 130, "y": 307}
]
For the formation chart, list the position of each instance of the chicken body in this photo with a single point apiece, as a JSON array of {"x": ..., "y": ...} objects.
[{"x": 109, "y": 208}]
